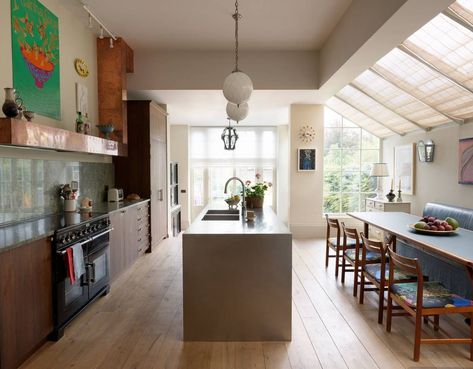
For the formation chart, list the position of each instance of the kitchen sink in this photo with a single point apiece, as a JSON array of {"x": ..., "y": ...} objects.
[
  {"x": 225, "y": 215},
  {"x": 223, "y": 211}
]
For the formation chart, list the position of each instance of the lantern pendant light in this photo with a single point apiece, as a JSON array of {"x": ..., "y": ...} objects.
[
  {"x": 237, "y": 87},
  {"x": 229, "y": 137}
]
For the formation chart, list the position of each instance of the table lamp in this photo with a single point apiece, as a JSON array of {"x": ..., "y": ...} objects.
[{"x": 379, "y": 170}]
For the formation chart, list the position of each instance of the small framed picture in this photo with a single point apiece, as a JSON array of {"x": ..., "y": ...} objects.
[{"x": 306, "y": 159}]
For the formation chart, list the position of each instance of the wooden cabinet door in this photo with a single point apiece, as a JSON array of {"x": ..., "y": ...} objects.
[
  {"x": 26, "y": 316},
  {"x": 159, "y": 217},
  {"x": 117, "y": 244}
]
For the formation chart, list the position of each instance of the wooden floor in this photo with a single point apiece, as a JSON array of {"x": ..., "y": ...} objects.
[{"x": 139, "y": 325}]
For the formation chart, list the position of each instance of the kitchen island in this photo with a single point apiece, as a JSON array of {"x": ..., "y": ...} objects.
[{"x": 237, "y": 278}]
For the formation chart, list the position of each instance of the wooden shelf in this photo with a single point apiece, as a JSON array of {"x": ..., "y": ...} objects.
[{"x": 16, "y": 132}]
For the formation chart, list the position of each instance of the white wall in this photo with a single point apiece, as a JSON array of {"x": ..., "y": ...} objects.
[
  {"x": 282, "y": 171},
  {"x": 179, "y": 148},
  {"x": 437, "y": 181},
  {"x": 75, "y": 41}
]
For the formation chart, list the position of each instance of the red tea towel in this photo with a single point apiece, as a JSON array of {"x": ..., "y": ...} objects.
[{"x": 70, "y": 265}]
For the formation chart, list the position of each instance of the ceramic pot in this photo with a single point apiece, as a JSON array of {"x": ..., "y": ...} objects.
[
  {"x": 10, "y": 108},
  {"x": 254, "y": 202},
  {"x": 391, "y": 196}
]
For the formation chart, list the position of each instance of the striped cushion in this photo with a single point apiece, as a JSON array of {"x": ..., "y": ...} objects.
[
  {"x": 351, "y": 243},
  {"x": 375, "y": 271},
  {"x": 370, "y": 256},
  {"x": 435, "y": 295}
]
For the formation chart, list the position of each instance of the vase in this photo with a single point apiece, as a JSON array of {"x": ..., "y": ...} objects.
[
  {"x": 10, "y": 108},
  {"x": 254, "y": 202},
  {"x": 391, "y": 196}
]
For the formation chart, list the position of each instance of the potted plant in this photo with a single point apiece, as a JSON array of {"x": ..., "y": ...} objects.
[{"x": 254, "y": 193}]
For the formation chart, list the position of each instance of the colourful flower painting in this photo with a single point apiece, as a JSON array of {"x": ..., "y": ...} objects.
[
  {"x": 465, "y": 161},
  {"x": 35, "y": 54}
]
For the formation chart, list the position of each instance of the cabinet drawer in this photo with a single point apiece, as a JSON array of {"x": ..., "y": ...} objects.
[
  {"x": 369, "y": 204},
  {"x": 142, "y": 243},
  {"x": 379, "y": 206}
]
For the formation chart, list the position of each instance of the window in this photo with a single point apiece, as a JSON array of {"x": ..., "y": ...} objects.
[
  {"x": 211, "y": 165},
  {"x": 349, "y": 152}
]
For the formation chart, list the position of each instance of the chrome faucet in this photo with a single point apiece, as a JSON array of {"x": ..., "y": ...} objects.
[{"x": 243, "y": 204}]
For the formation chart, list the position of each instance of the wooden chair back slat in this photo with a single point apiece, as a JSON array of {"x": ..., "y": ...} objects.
[
  {"x": 373, "y": 245},
  {"x": 405, "y": 264},
  {"x": 351, "y": 232}
]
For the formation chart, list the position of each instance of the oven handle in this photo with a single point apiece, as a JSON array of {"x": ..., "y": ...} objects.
[{"x": 88, "y": 240}]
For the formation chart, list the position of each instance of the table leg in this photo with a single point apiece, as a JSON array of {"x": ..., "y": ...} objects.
[{"x": 366, "y": 230}]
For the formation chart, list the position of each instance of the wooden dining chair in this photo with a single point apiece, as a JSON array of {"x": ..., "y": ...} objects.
[
  {"x": 375, "y": 269},
  {"x": 422, "y": 299},
  {"x": 351, "y": 256},
  {"x": 335, "y": 243}
]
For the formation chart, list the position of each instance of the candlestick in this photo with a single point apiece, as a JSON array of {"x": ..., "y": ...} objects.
[
  {"x": 392, "y": 184},
  {"x": 399, "y": 183}
]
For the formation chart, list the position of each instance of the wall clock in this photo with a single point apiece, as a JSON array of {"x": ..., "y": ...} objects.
[
  {"x": 306, "y": 134},
  {"x": 81, "y": 67}
]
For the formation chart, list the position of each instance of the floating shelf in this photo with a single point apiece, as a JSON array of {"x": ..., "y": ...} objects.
[{"x": 16, "y": 132}]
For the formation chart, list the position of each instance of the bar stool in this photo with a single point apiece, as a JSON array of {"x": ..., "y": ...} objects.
[
  {"x": 335, "y": 243},
  {"x": 422, "y": 299}
]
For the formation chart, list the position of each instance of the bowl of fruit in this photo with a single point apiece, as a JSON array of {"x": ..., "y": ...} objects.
[
  {"x": 233, "y": 201},
  {"x": 434, "y": 226}
]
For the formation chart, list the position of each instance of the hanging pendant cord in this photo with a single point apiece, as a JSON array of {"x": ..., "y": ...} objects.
[{"x": 236, "y": 16}]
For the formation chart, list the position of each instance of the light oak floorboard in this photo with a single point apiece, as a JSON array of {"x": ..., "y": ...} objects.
[{"x": 139, "y": 326}]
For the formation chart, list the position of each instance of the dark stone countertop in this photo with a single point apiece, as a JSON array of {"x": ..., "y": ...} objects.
[
  {"x": 28, "y": 230},
  {"x": 266, "y": 222}
]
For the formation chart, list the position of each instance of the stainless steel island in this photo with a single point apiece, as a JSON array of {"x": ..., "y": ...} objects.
[{"x": 237, "y": 278}]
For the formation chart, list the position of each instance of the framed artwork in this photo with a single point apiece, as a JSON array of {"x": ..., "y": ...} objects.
[
  {"x": 82, "y": 104},
  {"x": 404, "y": 168},
  {"x": 35, "y": 57},
  {"x": 465, "y": 161},
  {"x": 306, "y": 159}
]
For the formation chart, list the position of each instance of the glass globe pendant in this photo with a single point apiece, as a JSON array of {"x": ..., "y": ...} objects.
[
  {"x": 237, "y": 86},
  {"x": 229, "y": 137},
  {"x": 237, "y": 112}
]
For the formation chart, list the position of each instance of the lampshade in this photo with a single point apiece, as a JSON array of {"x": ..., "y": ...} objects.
[
  {"x": 237, "y": 88},
  {"x": 237, "y": 112},
  {"x": 379, "y": 170}
]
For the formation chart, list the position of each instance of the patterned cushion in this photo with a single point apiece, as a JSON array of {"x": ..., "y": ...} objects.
[
  {"x": 375, "y": 271},
  {"x": 435, "y": 295},
  {"x": 351, "y": 243},
  {"x": 370, "y": 256}
]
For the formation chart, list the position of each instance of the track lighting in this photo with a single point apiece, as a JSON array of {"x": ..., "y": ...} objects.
[
  {"x": 111, "y": 43},
  {"x": 101, "y": 33},
  {"x": 90, "y": 21}
]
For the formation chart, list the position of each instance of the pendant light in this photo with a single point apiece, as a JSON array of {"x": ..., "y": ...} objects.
[
  {"x": 229, "y": 137},
  {"x": 237, "y": 112},
  {"x": 237, "y": 87}
]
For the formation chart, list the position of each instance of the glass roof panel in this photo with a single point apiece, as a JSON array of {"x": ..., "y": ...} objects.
[
  {"x": 464, "y": 8},
  {"x": 426, "y": 84},
  {"x": 397, "y": 100},
  {"x": 448, "y": 46},
  {"x": 358, "y": 118},
  {"x": 374, "y": 109}
]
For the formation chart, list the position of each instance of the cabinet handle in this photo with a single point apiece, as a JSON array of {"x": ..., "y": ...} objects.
[
  {"x": 139, "y": 219},
  {"x": 139, "y": 240},
  {"x": 160, "y": 195},
  {"x": 123, "y": 211},
  {"x": 139, "y": 208},
  {"x": 139, "y": 229}
]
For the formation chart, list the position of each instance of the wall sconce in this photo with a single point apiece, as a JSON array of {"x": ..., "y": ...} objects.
[{"x": 426, "y": 151}]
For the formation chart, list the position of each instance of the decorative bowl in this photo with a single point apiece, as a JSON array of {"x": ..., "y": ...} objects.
[
  {"x": 232, "y": 203},
  {"x": 432, "y": 233},
  {"x": 106, "y": 129}
]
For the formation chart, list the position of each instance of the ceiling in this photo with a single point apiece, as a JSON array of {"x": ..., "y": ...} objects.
[
  {"x": 207, "y": 107},
  {"x": 207, "y": 24}
]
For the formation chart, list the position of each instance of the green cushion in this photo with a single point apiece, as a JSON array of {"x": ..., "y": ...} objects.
[
  {"x": 375, "y": 271},
  {"x": 436, "y": 295},
  {"x": 370, "y": 256},
  {"x": 351, "y": 243}
]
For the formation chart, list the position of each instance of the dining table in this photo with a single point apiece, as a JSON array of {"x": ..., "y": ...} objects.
[{"x": 456, "y": 246}]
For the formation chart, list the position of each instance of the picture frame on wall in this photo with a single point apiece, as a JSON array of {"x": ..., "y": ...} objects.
[
  {"x": 306, "y": 160},
  {"x": 465, "y": 161},
  {"x": 404, "y": 168}
]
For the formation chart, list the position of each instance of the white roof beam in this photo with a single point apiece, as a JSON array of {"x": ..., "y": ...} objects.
[
  {"x": 376, "y": 120},
  {"x": 395, "y": 84},
  {"x": 454, "y": 16},
  {"x": 426, "y": 129}
]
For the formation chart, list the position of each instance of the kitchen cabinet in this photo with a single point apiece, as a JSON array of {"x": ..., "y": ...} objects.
[
  {"x": 25, "y": 301},
  {"x": 144, "y": 171},
  {"x": 129, "y": 238}
]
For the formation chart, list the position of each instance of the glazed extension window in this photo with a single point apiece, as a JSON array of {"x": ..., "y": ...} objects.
[
  {"x": 349, "y": 152},
  {"x": 211, "y": 165}
]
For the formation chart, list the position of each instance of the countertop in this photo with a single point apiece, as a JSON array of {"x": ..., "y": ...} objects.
[
  {"x": 16, "y": 234},
  {"x": 266, "y": 222}
]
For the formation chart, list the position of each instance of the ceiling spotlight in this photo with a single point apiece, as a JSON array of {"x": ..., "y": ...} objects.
[
  {"x": 90, "y": 21},
  {"x": 101, "y": 33},
  {"x": 111, "y": 43}
]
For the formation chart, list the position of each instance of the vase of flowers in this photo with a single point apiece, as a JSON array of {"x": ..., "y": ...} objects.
[{"x": 254, "y": 192}]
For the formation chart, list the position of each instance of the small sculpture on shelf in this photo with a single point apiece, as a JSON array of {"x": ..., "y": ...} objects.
[
  {"x": 106, "y": 129},
  {"x": 391, "y": 196},
  {"x": 79, "y": 123}
]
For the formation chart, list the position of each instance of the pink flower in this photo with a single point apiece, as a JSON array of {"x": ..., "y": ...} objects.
[
  {"x": 258, "y": 176},
  {"x": 270, "y": 184},
  {"x": 247, "y": 183}
]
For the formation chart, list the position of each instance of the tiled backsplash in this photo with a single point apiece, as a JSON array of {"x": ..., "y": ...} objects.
[{"x": 29, "y": 187}]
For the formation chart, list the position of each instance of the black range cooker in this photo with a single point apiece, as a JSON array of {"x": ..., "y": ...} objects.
[{"x": 91, "y": 233}]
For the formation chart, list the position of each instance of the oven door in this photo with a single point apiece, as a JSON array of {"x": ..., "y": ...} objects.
[
  {"x": 70, "y": 297},
  {"x": 97, "y": 265}
]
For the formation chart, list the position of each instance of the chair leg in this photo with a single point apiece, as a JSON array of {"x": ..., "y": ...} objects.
[
  {"x": 471, "y": 337},
  {"x": 362, "y": 287},
  {"x": 355, "y": 279},
  {"x": 337, "y": 261},
  {"x": 343, "y": 267},
  {"x": 417, "y": 337},
  {"x": 389, "y": 315},
  {"x": 381, "y": 303},
  {"x": 426, "y": 319},
  {"x": 326, "y": 254},
  {"x": 436, "y": 322}
]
